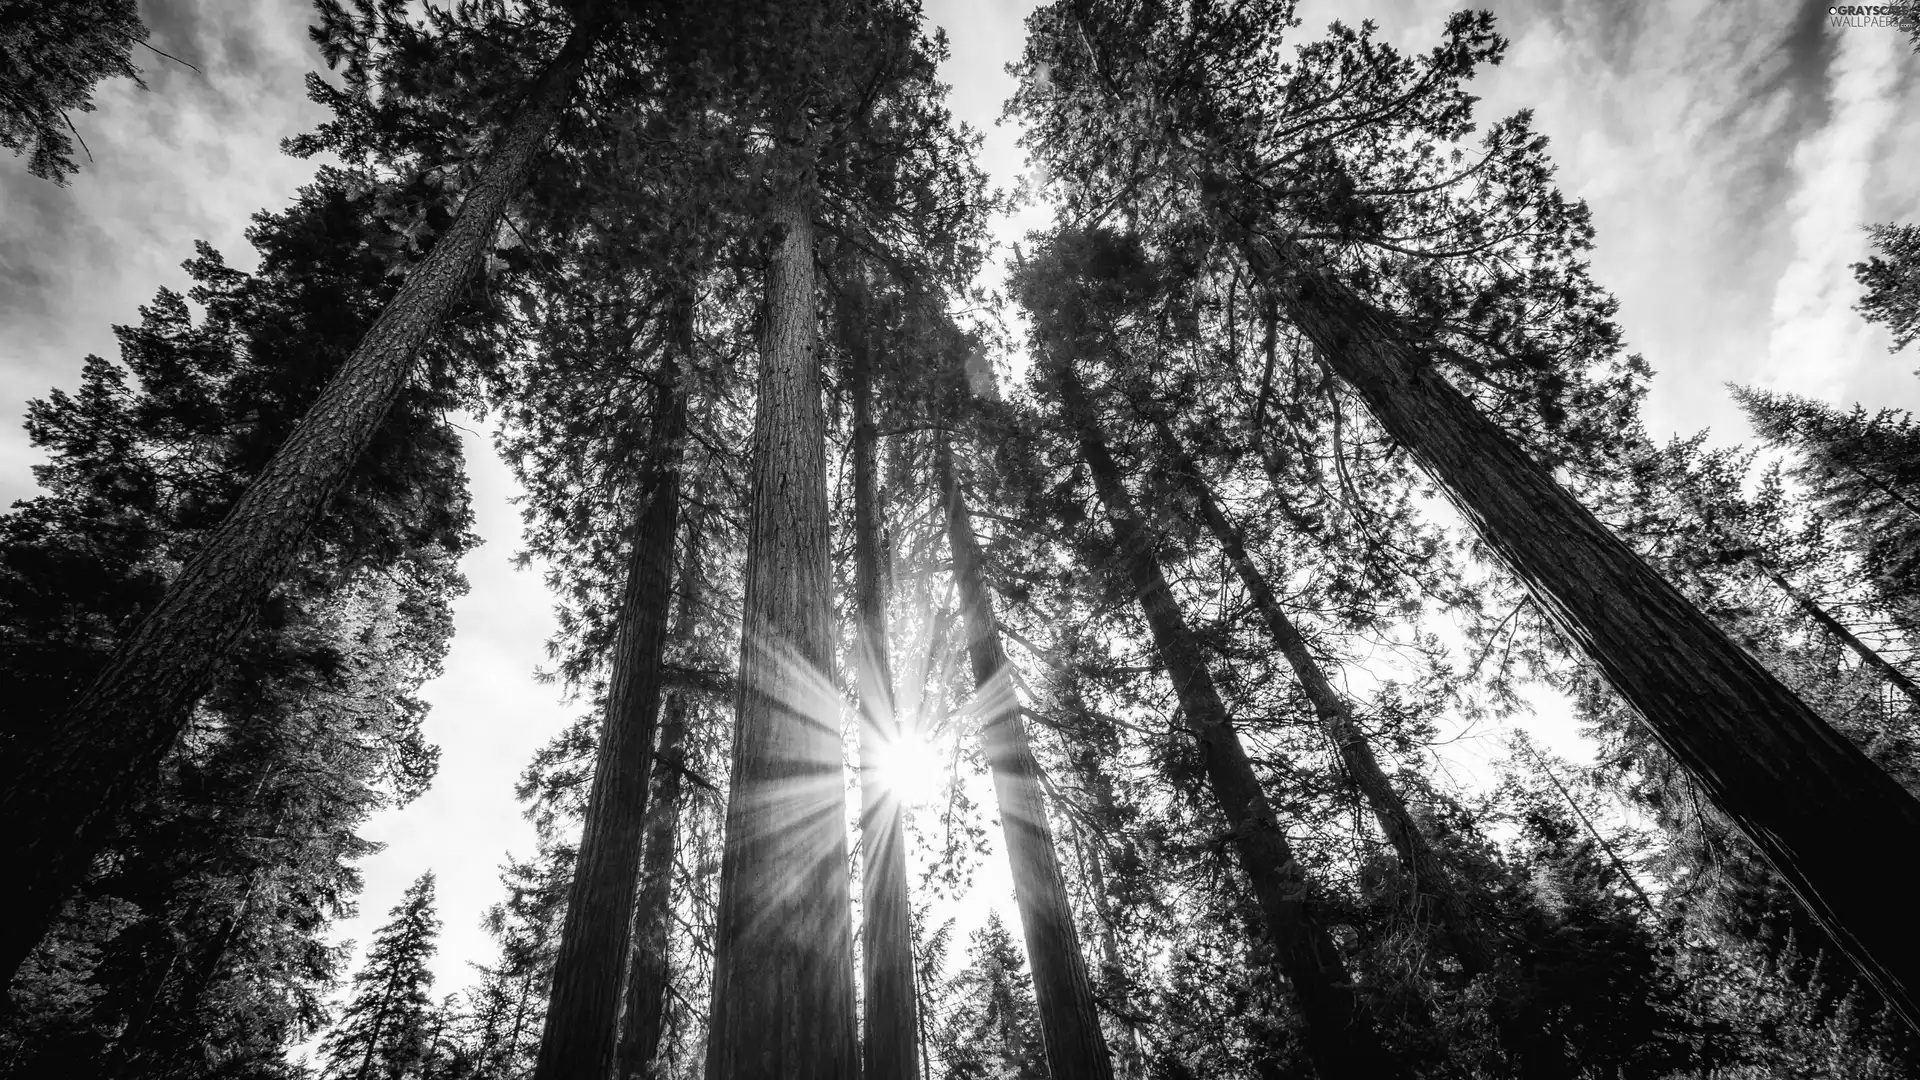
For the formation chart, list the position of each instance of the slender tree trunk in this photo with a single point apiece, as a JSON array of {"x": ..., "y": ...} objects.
[
  {"x": 1339, "y": 1035},
  {"x": 1823, "y": 815},
  {"x": 583, "y": 1013},
  {"x": 1069, "y": 1021},
  {"x": 783, "y": 1003},
  {"x": 63, "y": 800},
  {"x": 1824, "y": 619},
  {"x": 647, "y": 976},
  {"x": 644, "y": 1018},
  {"x": 1613, "y": 857},
  {"x": 1133, "y": 1058},
  {"x": 889, "y": 1048},
  {"x": 1433, "y": 885}
]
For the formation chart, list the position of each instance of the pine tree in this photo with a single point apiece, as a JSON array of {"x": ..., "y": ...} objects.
[
  {"x": 992, "y": 1026},
  {"x": 1390, "y": 319},
  {"x": 1892, "y": 280},
  {"x": 889, "y": 1047},
  {"x": 386, "y": 1031},
  {"x": 52, "y": 54},
  {"x": 1074, "y": 1043},
  {"x": 71, "y": 789},
  {"x": 1863, "y": 472},
  {"x": 226, "y": 874}
]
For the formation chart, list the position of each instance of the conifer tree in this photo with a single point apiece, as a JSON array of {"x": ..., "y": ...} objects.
[
  {"x": 888, "y": 1041},
  {"x": 78, "y": 781},
  {"x": 1074, "y": 1044},
  {"x": 52, "y": 54},
  {"x": 1271, "y": 179},
  {"x": 225, "y": 876},
  {"x": 385, "y": 1031},
  {"x": 992, "y": 1026}
]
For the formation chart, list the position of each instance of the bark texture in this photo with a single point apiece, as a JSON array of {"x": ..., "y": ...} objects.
[
  {"x": 1069, "y": 1022},
  {"x": 1434, "y": 887},
  {"x": 890, "y": 1044},
  {"x": 62, "y": 801},
  {"x": 583, "y": 1014},
  {"x": 644, "y": 1018},
  {"x": 1823, "y": 815},
  {"x": 783, "y": 1003},
  {"x": 1339, "y": 1035}
]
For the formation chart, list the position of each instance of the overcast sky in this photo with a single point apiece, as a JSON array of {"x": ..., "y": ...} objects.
[{"x": 1730, "y": 152}]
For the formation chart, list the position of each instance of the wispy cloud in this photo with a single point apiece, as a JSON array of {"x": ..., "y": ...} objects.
[
  {"x": 1816, "y": 339},
  {"x": 191, "y": 158}
]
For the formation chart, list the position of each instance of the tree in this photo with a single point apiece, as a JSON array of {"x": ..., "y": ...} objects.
[
  {"x": 222, "y": 880},
  {"x": 1730, "y": 722},
  {"x": 72, "y": 787},
  {"x": 782, "y": 997},
  {"x": 889, "y": 1045},
  {"x": 385, "y": 1031},
  {"x": 583, "y": 1016},
  {"x": 1431, "y": 879},
  {"x": 1892, "y": 281},
  {"x": 992, "y": 1026},
  {"x": 1863, "y": 472},
  {"x": 644, "y": 1018},
  {"x": 1339, "y": 1036},
  {"x": 1074, "y": 1043},
  {"x": 52, "y": 53}
]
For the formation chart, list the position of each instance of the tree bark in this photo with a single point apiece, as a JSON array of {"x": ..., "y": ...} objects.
[
  {"x": 889, "y": 1048},
  {"x": 783, "y": 1003},
  {"x": 583, "y": 1014},
  {"x": 64, "y": 798},
  {"x": 1069, "y": 1021},
  {"x": 1339, "y": 1035},
  {"x": 1822, "y": 814},
  {"x": 647, "y": 975},
  {"x": 1433, "y": 885}
]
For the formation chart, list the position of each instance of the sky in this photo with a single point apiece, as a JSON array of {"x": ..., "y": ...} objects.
[{"x": 1730, "y": 153}]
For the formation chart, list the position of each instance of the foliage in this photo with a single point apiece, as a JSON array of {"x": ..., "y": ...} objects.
[{"x": 52, "y": 54}]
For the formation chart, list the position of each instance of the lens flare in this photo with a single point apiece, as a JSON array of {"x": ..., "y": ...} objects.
[{"x": 911, "y": 769}]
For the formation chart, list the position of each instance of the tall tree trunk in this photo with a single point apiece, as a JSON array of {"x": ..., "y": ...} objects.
[
  {"x": 783, "y": 1003},
  {"x": 63, "y": 799},
  {"x": 1133, "y": 1058},
  {"x": 583, "y": 1013},
  {"x": 1823, "y": 815},
  {"x": 1069, "y": 1021},
  {"x": 890, "y": 1048},
  {"x": 1433, "y": 885},
  {"x": 644, "y": 1017},
  {"x": 647, "y": 975},
  {"x": 1339, "y": 1035}
]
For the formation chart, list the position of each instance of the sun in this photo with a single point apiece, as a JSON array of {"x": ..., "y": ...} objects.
[{"x": 913, "y": 769}]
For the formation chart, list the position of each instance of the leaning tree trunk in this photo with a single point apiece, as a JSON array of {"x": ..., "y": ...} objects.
[
  {"x": 783, "y": 944},
  {"x": 64, "y": 798},
  {"x": 890, "y": 1047},
  {"x": 583, "y": 1013},
  {"x": 646, "y": 1009},
  {"x": 1433, "y": 885},
  {"x": 1339, "y": 1035},
  {"x": 1069, "y": 1022},
  {"x": 1823, "y": 815}
]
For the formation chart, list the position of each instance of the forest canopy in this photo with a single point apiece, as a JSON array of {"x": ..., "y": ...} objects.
[{"x": 1144, "y": 561}]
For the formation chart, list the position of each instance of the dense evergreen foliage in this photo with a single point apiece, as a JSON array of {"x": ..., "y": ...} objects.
[{"x": 1158, "y": 597}]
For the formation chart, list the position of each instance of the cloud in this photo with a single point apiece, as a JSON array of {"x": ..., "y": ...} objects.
[
  {"x": 1816, "y": 338},
  {"x": 191, "y": 158}
]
